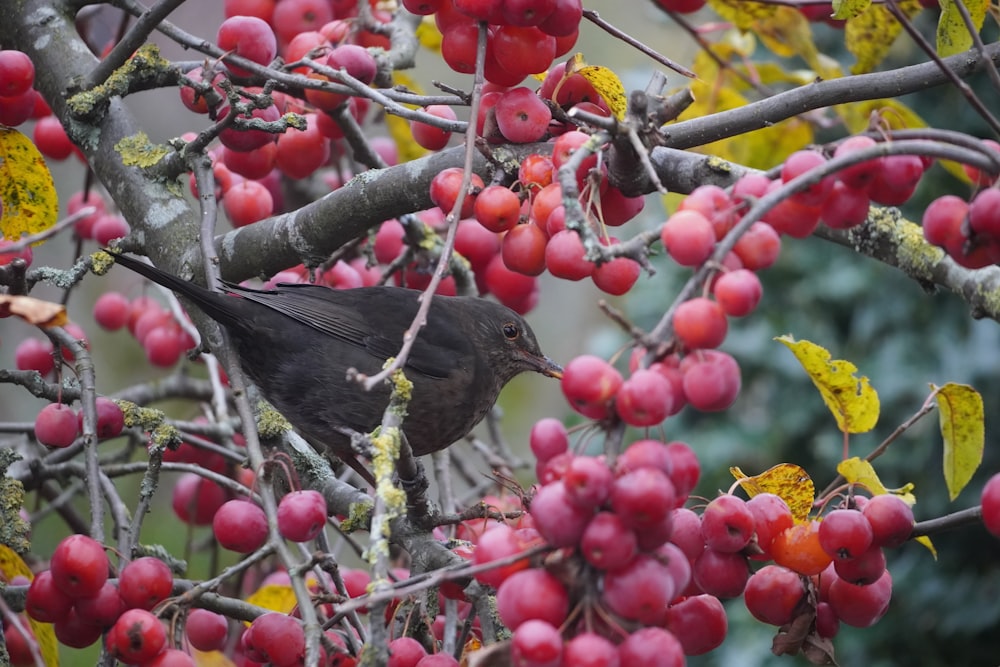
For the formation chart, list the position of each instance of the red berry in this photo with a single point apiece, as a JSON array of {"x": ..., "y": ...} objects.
[
  {"x": 688, "y": 237},
  {"x": 249, "y": 37},
  {"x": 590, "y": 650},
  {"x": 46, "y": 602},
  {"x": 558, "y": 520},
  {"x": 524, "y": 248},
  {"x": 136, "y": 637},
  {"x": 103, "y": 609},
  {"x": 652, "y": 647},
  {"x": 522, "y": 116},
  {"x": 497, "y": 208},
  {"x": 699, "y": 622},
  {"x": 643, "y": 497},
  {"x": 645, "y": 399},
  {"x": 206, "y": 630},
  {"x": 727, "y": 524},
  {"x": 74, "y": 631},
  {"x": 711, "y": 380},
  {"x": 405, "y": 651},
  {"x": 738, "y": 292},
  {"x": 145, "y": 582},
  {"x": 897, "y": 179},
  {"x": 891, "y": 519},
  {"x": 79, "y": 566},
  {"x": 722, "y": 574},
  {"x": 773, "y": 594},
  {"x": 301, "y": 515},
  {"x": 247, "y": 203},
  {"x": 536, "y": 643},
  {"x": 759, "y": 247},
  {"x": 640, "y": 591},
  {"x": 196, "y": 499},
  {"x": 445, "y": 189},
  {"x": 861, "y": 606},
  {"x": 56, "y": 425},
  {"x": 589, "y": 382},
  {"x": 864, "y": 569},
  {"x": 532, "y": 594},
  {"x": 802, "y": 162},
  {"x": 990, "y": 499},
  {"x": 861, "y": 174},
  {"x": 240, "y": 526},
  {"x": 279, "y": 638},
  {"x": 51, "y": 138},
  {"x": 700, "y": 323},
  {"x": 34, "y": 354},
  {"x": 845, "y": 533},
  {"x": 608, "y": 543},
  {"x": 548, "y": 438},
  {"x": 17, "y": 73}
]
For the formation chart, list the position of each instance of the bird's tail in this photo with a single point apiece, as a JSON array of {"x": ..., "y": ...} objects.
[{"x": 224, "y": 310}]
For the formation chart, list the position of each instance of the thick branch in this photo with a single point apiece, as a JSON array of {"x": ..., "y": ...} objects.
[{"x": 894, "y": 83}]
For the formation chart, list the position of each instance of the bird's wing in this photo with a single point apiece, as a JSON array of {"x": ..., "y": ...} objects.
[{"x": 378, "y": 327}]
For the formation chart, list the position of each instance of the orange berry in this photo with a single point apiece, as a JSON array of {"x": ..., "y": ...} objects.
[{"x": 798, "y": 549}]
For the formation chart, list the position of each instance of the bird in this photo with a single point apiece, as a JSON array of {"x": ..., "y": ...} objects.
[{"x": 298, "y": 342}]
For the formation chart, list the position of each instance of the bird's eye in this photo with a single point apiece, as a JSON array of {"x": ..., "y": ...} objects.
[{"x": 511, "y": 331}]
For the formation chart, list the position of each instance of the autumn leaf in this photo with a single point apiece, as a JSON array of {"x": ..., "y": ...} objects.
[
  {"x": 786, "y": 480},
  {"x": 11, "y": 565},
  {"x": 33, "y": 311},
  {"x": 28, "y": 200},
  {"x": 870, "y": 34},
  {"x": 952, "y": 34},
  {"x": 275, "y": 597},
  {"x": 605, "y": 82},
  {"x": 852, "y": 400},
  {"x": 963, "y": 430}
]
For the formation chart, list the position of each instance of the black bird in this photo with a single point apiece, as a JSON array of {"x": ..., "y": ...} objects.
[{"x": 297, "y": 342}]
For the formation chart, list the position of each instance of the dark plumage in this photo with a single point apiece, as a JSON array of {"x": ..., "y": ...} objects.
[{"x": 297, "y": 342}]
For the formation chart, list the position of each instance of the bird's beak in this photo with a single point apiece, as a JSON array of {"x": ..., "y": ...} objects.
[{"x": 550, "y": 368}]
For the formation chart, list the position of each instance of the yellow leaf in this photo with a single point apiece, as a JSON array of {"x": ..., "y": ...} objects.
[
  {"x": 870, "y": 34},
  {"x": 399, "y": 128},
  {"x": 848, "y": 9},
  {"x": 788, "y": 33},
  {"x": 428, "y": 34},
  {"x": 952, "y": 35},
  {"x": 787, "y": 480},
  {"x": 858, "y": 471},
  {"x": 853, "y": 401},
  {"x": 33, "y": 311},
  {"x": 605, "y": 82},
  {"x": 963, "y": 430},
  {"x": 27, "y": 194},
  {"x": 279, "y": 598},
  {"x": 893, "y": 114},
  {"x": 926, "y": 541},
  {"x": 742, "y": 13},
  {"x": 211, "y": 659},
  {"x": 11, "y": 565}
]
